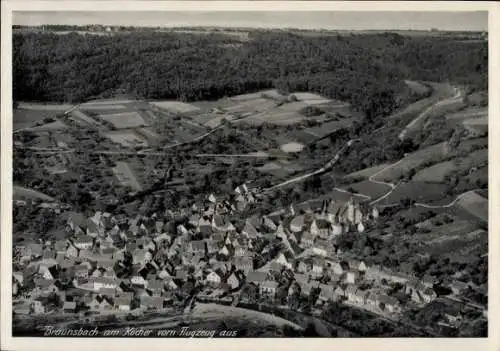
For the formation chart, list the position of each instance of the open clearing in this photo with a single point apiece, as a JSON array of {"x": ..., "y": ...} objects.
[
  {"x": 176, "y": 106},
  {"x": 292, "y": 147},
  {"x": 301, "y": 96},
  {"x": 125, "y": 176},
  {"x": 124, "y": 120},
  {"x": 126, "y": 138}
]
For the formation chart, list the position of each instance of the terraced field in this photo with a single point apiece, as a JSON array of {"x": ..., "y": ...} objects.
[{"x": 432, "y": 153}]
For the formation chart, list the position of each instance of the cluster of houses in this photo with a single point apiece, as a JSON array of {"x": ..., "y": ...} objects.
[{"x": 112, "y": 263}]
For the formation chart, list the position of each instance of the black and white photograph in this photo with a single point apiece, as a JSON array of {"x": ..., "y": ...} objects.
[{"x": 249, "y": 174}]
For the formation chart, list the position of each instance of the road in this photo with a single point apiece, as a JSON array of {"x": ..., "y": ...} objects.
[{"x": 428, "y": 110}]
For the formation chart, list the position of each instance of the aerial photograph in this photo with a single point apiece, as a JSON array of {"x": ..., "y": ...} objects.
[{"x": 250, "y": 174}]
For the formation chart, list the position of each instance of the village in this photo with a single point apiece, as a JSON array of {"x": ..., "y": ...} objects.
[{"x": 113, "y": 265}]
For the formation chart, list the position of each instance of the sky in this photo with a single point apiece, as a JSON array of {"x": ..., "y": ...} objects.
[{"x": 339, "y": 20}]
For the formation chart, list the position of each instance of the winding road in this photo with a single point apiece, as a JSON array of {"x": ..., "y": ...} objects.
[{"x": 428, "y": 110}]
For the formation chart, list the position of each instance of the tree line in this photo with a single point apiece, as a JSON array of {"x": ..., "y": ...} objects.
[{"x": 366, "y": 70}]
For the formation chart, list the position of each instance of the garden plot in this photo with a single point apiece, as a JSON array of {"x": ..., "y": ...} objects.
[
  {"x": 127, "y": 138},
  {"x": 124, "y": 120},
  {"x": 108, "y": 102},
  {"x": 148, "y": 134},
  {"x": 176, "y": 107}
]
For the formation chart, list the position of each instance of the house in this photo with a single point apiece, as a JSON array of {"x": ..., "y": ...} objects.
[
  {"x": 256, "y": 277},
  {"x": 69, "y": 307},
  {"x": 327, "y": 292},
  {"x": 249, "y": 230},
  {"x": 360, "y": 297},
  {"x": 103, "y": 283},
  {"x": 123, "y": 303},
  {"x": 23, "y": 308},
  {"x": 372, "y": 300},
  {"x": 374, "y": 273},
  {"x": 37, "y": 307},
  {"x": 83, "y": 242},
  {"x": 303, "y": 267},
  {"x": 244, "y": 264},
  {"x": 453, "y": 317},
  {"x": 428, "y": 281},
  {"x": 318, "y": 265},
  {"x": 337, "y": 269},
  {"x": 357, "y": 265},
  {"x": 388, "y": 303},
  {"x": 155, "y": 287},
  {"x": 233, "y": 281},
  {"x": 352, "y": 277},
  {"x": 339, "y": 293},
  {"x": 350, "y": 293},
  {"x": 240, "y": 250},
  {"x": 44, "y": 287},
  {"x": 197, "y": 247},
  {"x": 152, "y": 302},
  {"x": 428, "y": 295},
  {"x": 458, "y": 287},
  {"x": 213, "y": 279},
  {"x": 297, "y": 224},
  {"x": 307, "y": 240},
  {"x": 81, "y": 271},
  {"x": 268, "y": 288}
]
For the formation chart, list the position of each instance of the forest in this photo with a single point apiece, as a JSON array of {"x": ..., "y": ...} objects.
[{"x": 366, "y": 70}]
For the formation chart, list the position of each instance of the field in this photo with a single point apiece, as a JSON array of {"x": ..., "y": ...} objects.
[
  {"x": 124, "y": 120},
  {"x": 43, "y": 107},
  {"x": 128, "y": 138},
  {"x": 437, "y": 172},
  {"x": 432, "y": 153},
  {"x": 82, "y": 118},
  {"x": 475, "y": 205},
  {"x": 329, "y": 127},
  {"x": 148, "y": 134},
  {"x": 23, "y": 118},
  {"x": 368, "y": 188},
  {"x": 292, "y": 147},
  {"x": 367, "y": 172},
  {"x": 418, "y": 191},
  {"x": 471, "y": 112},
  {"x": 125, "y": 176},
  {"x": 477, "y": 125},
  {"x": 175, "y": 107},
  {"x": 48, "y": 127}
]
